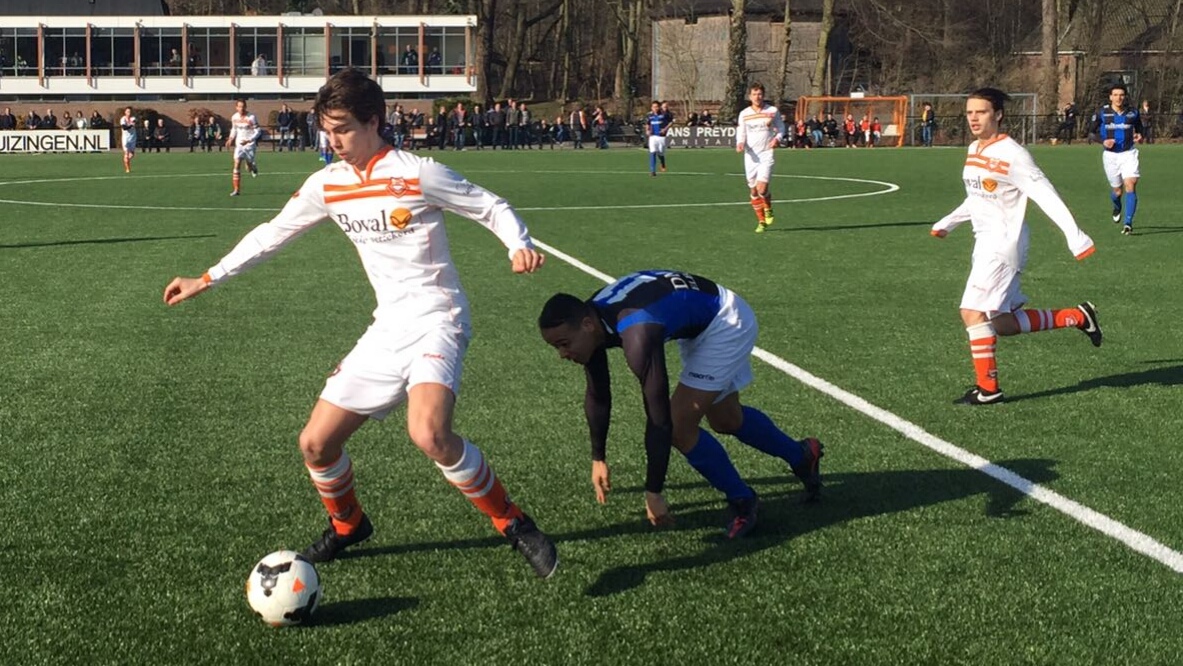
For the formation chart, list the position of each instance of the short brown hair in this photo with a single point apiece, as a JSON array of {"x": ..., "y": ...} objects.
[
  {"x": 351, "y": 90},
  {"x": 756, "y": 85}
]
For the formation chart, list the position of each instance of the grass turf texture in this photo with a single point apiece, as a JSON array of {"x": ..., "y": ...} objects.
[{"x": 150, "y": 453}]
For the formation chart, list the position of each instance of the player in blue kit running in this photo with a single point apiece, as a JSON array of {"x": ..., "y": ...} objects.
[
  {"x": 1120, "y": 129},
  {"x": 716, "y": 332}
]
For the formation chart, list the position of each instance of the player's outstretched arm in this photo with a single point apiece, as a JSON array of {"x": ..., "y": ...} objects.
[
  {"x": 951, "y": 221},
  {"x": 597, "y": 407},
  {"x": 644, "y": 351},
  {"x": 528, "y": 260},
  {"x": 181, "y": 289}
]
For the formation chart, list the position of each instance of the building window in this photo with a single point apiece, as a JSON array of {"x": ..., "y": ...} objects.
[
  {"x": 303, "y": 51},
  {"x": 209, "y": 51},
  {"x": 392, "y": 48}
]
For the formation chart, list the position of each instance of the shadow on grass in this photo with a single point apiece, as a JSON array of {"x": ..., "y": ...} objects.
[
  {"x": 847, "y": 497},
  {"x": 1165, "y": 376},
  {"x": 782, "y": 515},
  {"x": 102, "y": 241},
  {"x": 360, "y": 610},
  {"x": 789, "y": 228},
  {"x": 1140, "y": 230}
]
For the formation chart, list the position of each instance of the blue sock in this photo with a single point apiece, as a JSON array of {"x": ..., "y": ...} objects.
[
  {"x": 662, "y": 158},
  {"x": 759, "y": 432},
  {"x": 1131, "y": 205},
  {"x": 710, "y": 460},
  {"x": 652, "y": 162},
  {"x": 1116, "y": 199}
]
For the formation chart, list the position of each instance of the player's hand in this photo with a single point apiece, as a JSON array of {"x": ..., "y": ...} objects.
[
  {"x": 1137, "y": 138},
  {"x": 181, "y": 289},
  {"x": 656, "y": 510},
  {"x": 939, "y": 233},
  {"x": 1109, "y": 143},
  {"x": 601, "y": 480},
  {"x": 739, "y": 147},
  {"x": 527, "y": 260}
]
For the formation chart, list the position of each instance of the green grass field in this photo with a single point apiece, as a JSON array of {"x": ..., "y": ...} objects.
[{"x": 150, "y": 452}]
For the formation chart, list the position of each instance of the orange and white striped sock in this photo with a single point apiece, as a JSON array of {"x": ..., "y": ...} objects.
[
  {"x": 473, "y": 477},
  {"x": 334, "y": 482},
  {"x": 1032, "y": 321},
  {"x": 758, "y": 206},
  {"x": 982, "y": 343},
  {"x": 237, "y": 179}
]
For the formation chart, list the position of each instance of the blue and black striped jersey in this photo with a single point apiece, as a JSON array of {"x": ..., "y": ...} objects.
[
  {"x": 681, "y": 303},
  {"x": 1119, "y": 126}
]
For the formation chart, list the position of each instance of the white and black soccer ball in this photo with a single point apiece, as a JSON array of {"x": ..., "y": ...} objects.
[{"x": 283, "y": 589}]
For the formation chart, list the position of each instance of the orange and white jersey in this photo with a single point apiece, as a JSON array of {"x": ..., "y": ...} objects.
[
  {"x": 999, "y": 177},
  {"x": 758, "y": 127},
  {"x": 393, "y": 212},
  {"x": 244, "y": 128}
]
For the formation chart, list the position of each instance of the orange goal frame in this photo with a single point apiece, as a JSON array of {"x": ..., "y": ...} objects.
[{"x": 892, "y": 112}]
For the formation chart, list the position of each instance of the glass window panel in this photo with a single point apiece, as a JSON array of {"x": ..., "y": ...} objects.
[{"x": 304, "y": 51}]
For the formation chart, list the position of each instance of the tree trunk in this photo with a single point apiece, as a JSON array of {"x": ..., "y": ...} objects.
[
  {"x": 514, "y": 57},
  {"x": 783, "y": 88},
  {"x": 1050, "y": 74},
  {"x": 629, "y": 16},
  {"x": 486, "y": 13},
  {"x": 568, "y": 46},
  {"x": 737, "y": 67},
  {"x": 823, "y": 51}
]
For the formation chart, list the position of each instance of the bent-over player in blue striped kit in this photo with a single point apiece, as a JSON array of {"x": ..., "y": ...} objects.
[
  {"x": 1120, "y": 128},
  {"x": 716, "y": 332}
]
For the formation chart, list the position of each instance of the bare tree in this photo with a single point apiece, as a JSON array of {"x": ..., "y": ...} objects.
[
  {"x": 782, "y": 87},
  {"x": 1050, "y": 74},
  {"x": 823, "y": 50},
  {"x": 630, "y": 15},
  {"x": 737, "y": 64}
]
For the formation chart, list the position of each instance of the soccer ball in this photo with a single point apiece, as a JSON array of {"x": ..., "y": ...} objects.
[{"x": 283, "y": 589}]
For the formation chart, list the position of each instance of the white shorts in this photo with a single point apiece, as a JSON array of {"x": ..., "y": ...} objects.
[
  {"x": 758, "y": 167},
  {"x": 245, "y": 152},
  {"x": 1119, "y": 166},
  {"x": 375, "y": 377},
  {"x": 720, "y": 358},
  {"x": 657, "y": 144},
  {"x": 993, "y": 286},
  {"x": 129, "y": 143}
]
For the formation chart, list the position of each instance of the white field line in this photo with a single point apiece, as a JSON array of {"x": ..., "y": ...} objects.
[
  {"x": 1132, "y": 538},
  {"x": 887, "y": 188}
]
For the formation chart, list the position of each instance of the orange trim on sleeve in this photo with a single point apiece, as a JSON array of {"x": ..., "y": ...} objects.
[
  {"x": 1086, "y": 253},
  {"x": 206, "y": 278}
]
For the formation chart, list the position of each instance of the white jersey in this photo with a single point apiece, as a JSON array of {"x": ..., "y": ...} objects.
[
  {"x": 393, "y": 212},
  {"x": 128, "y": 125},
  {"x": 999, "y": 177},
  {"x": 244, "y": 128},
  {"x": 758, "y": 127}
]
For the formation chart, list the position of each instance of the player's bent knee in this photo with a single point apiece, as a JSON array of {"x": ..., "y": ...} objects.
[
  {"x": 318, "y": 451},
  {"x": 725, "y": 424},
  {"x": 437, "y": 443}
]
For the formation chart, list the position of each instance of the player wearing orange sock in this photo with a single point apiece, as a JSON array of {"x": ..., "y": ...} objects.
[
  {"x": 127, "y": 123},
  {"x": 999, "y": 177},
  {"x": 414, "y": 350},
  {"x": 758, "y": 132}
]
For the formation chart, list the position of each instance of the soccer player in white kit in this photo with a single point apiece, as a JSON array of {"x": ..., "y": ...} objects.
[
  {"x": 244, "y": 136},
  {"x": 759, "y": 131},
  {"x": 128, "y": 124},
  {"x": 391, "y": 205},
  {"x": 999, "y": 177}
]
